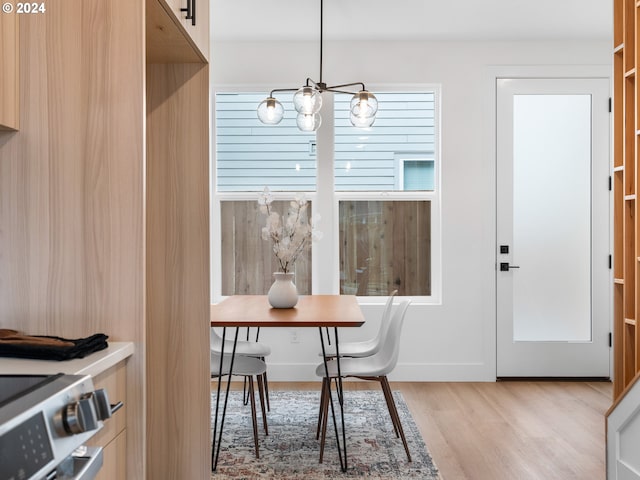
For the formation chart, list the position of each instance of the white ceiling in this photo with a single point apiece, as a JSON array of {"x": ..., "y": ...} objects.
[{"x": 389, "y": 20}]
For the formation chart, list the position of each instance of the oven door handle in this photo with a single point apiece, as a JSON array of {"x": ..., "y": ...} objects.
[{"x": 83, "y": 464}]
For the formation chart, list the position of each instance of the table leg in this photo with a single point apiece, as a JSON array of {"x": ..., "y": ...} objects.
[
  {"x": 342, "y": 449},
  {"x": 215, "y": 452},
  {"x": 245, "y": 395}
]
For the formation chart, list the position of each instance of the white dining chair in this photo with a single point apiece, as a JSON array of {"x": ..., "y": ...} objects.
[
  {"x": 244, "y": 347},
  {"x": 366, "y": 347},
  {"x": 363, "y": 348},
  {"x": 248, "y": 367},
  {"x": 375, "y": 367}
]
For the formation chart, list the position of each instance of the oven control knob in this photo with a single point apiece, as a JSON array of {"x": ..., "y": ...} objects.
[
  {"x": 101, "y": 402},
  {"x": 79, "y": 417}
]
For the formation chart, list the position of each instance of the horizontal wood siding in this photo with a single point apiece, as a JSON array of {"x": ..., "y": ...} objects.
[
  {"x": 367, "y": 159},
  {"x": 250, "y": 155}
]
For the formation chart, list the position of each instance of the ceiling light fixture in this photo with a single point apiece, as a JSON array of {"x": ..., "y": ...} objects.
[{"x": 307, "y": 101}]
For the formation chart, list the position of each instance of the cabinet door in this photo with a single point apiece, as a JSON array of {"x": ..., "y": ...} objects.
[
  {"x": 9, "y": 66},
  {"x": 114, "y": 459},
  {"x": 198, "y": 33},
  {"x": 114, "y": 381},
  {"x": 175, "y": 6},
  {"x": 112, "y": 437}
]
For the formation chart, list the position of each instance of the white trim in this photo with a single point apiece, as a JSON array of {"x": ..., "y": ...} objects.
[
  {"x": 492, "y": 73},
  {"x": 399, "y": 161},
  {"x": 324, "y": 281}
]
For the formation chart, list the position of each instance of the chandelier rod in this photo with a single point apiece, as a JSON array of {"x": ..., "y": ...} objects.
[
  {"x": 308, "y": 99},
  {"x": 321, "y": 35}
]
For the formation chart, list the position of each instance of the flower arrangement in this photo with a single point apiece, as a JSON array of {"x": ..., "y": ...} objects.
[{"x": 292, "y": 235}]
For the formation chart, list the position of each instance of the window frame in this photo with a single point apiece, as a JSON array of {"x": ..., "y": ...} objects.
[
  {"x": 399, "y": 164},
  {"x": 325, "y": 275}
]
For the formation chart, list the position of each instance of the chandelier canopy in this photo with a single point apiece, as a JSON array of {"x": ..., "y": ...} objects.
[{"x": 307, "y": 101}]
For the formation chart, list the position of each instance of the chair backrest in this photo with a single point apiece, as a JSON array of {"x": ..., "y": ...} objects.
[
  {"x": 385, "y": 319},
  {"x": 215, "y": 342},
  {"x": 214, "y": 338},
  {"x": 387, "y": 357}
]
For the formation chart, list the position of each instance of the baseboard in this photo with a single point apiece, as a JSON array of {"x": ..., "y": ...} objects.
[
  {"x": 440, "y": 372},
  {"x": 553, "y": 379}
]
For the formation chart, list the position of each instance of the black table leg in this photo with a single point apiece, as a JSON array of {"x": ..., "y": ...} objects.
[
  {"x": 215, "y": 452},
  {"x": 342, "y": 449}
]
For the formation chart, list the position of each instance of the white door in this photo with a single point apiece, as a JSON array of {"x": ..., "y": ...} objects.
[{"x": 552, "y": 251}]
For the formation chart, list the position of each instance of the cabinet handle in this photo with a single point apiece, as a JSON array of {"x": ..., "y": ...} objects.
[
  {"x": 188, "y": 10},
  {"x": 191, "y": 11}
]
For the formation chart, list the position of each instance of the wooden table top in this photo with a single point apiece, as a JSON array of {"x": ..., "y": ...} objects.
[{"x": 311, "y": 311}]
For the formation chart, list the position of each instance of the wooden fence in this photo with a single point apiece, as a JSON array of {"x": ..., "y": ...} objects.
[
  {"x": 385, "y": 245},
  {"x": 248, "y": 261}
]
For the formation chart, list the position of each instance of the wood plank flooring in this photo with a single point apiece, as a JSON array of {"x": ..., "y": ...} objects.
[{"x": 507, "y": 430}]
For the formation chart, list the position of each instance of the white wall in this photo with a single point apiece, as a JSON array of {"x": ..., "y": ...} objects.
[{"x": 456, "y": 339}]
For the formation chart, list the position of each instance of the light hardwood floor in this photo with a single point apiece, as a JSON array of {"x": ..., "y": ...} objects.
[{"x": 507, "y": 430}]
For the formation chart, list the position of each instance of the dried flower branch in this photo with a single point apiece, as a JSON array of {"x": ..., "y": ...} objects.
[{"x": 291, "y": 236}]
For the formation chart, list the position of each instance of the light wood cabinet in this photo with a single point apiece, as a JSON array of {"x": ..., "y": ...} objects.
[
  {"x": 197, "y": 25},
  {"x": 10, "y": 68},
  {"x": 113, "y": 436},
  {"x": 114, "y": 464},
  {"x": 193, "y": 31},
  {"x": 177, "y": 215},
  {"x": 88, "y": 212},
  {"x": 626, "y": 181},
  {"x": 177, "y": 251}
]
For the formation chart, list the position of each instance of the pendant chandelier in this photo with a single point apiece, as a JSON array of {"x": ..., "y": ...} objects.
[{"x": 307, "y": 101}]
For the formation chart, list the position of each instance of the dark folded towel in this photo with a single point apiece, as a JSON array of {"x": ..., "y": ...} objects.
[{"x": 16, "y": 344}]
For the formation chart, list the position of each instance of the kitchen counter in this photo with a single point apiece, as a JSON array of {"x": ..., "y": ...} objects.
[{"x": 93, "y": 364}]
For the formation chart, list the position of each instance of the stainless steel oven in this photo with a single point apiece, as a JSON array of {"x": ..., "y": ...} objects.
[{"x": 45, "y": 420}]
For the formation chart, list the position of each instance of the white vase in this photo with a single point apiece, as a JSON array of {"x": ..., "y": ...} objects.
[{"x": 283, "y": 293}]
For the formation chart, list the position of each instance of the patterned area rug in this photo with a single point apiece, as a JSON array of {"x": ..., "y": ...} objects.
[{"x": 291, "y": 450}]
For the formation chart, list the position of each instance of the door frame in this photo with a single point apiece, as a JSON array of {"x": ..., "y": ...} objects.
[
  {"x": 492, "y": 73},
  {"x": 552, "y": 358}
]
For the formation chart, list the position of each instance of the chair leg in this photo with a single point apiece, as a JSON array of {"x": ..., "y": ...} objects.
[
  {"x": 393, "y": 411},
  {"x": 254, "y": 419},
  {"x": 325, "y": 416},
  {"x": 266, "y": 388},
  {"x": 245, "y": 395},
  {"x": 389, "y": 399},
  {"x": 321, "y": 410},
  {"x": 264, "y": 413}
]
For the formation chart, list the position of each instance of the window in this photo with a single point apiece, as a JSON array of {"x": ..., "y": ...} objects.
[
  {"x": 250, "y": 155},
  {"x": 246, "y": 259},
  {"x": 385, "y": 245},
  {"x": 415, "y": 173},
  {"x": 366, "y": 159},
  {"x": 384, "y": 198}
]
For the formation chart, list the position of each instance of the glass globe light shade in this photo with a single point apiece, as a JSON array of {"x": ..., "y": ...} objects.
[
  {"x": 307, "y": 100},
  {"x": 364, "y": 104},
  {"x": 361, "y": 122},
  {"x": 270, "y": 111},
  {"x": 308, "y": 123}
]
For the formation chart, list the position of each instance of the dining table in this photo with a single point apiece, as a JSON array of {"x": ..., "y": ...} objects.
[{"x": 325, "y": 312}]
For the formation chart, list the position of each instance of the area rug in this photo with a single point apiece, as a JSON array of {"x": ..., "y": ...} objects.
[{"x": 291, "y": 450}]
